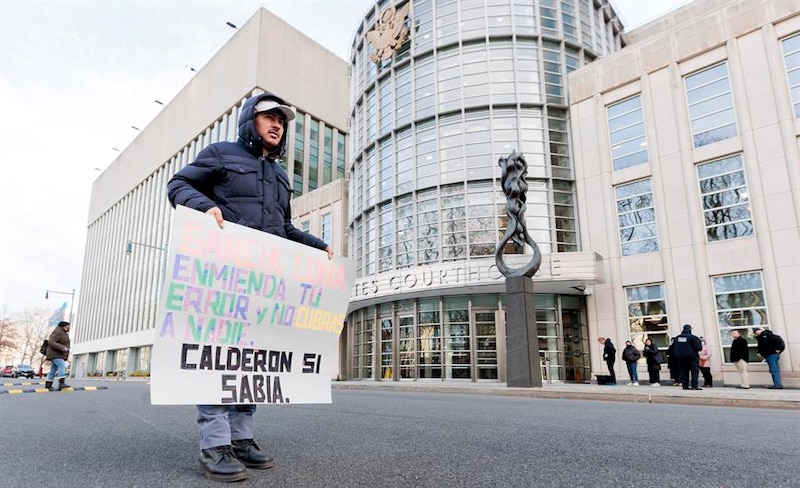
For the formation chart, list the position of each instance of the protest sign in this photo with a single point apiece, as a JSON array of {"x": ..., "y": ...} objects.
[{"x": 246, "y": 317}]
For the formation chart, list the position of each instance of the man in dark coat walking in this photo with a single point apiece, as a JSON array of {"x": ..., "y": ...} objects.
[
  {"x": 58, "y": 353},
  {"x": 686, "y": 350}
]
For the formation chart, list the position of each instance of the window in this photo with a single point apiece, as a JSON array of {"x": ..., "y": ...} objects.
[
  {"x": 371, "y": 178},
  {"x": 387, "y": 330},
  {"x": 475, "y": 75},
  {"x": 791, "y": 56},
  {"x": 740, "y": 305},
  {"x": 427, "y": 227},
  {"x": 363, "y": 344},
  {"x": 327, "y": 228},
  {"x": 403, "y": 96},
  {"x": 527, "y": 66},
  {"x": 386, "y": 238},
  {"x": 340, "y": 155},
  {"x": 548, "y": 18},
  {"x": 711, "y": 105},
  {"x": 372, "y": 114},
  {"x": 386, "y": 112},
  {"x": 456, "y": 338},
  {"x": 423, "y": 25},
  {"x": 305, "y": 226},
  {"x": 726, "y": 201},
  {"x": 299, "y": 152},
  {"x": 386, "y": 167},
  {"x": 626, "y": 129},
  {"x": 482, "y": 218},
  {"x": 313, "y": 155},
  {"x": 568, "y": 20},
  {"x": 405, "y": 232},
  {"x": 370, "y": 236},
  {"x": 636, "y": 217},
  {"x": 559, "y": 143},
  {"x": 647, "y": 315},
  {"x": 454, "y": 223},
  {"x": 425, "y": 87},
  {"x": 429, "y": 342},
  {"x": 327, "y": 161},
  {"x": 553, "y": 81},
  {"x": 564, "y": 210}
]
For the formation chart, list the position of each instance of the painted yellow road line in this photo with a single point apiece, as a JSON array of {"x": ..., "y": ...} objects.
[{"x": 45, "y": 390}]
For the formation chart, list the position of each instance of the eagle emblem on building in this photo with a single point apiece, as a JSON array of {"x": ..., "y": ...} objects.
[{"x": 389, "y": 33}]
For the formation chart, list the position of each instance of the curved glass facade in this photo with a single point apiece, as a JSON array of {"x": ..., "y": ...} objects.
[{"x": 472, "y": 81}]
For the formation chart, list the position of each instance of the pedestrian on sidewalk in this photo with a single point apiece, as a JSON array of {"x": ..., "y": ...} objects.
[
  {"x": 610, "y": 357},
  {"x": 58, "y": 353},
  {"x": 770, "y": 347},
  {"x": 631, "y": 357},
  {"x": 740, "y": 356},
  {"x": 672, "y": 364},
  {"x": 686, "y": 349},
  {"x": 653, "y": 357},
  {"x": 241, "y": 182},
  {"x": 705, "y": 364}
]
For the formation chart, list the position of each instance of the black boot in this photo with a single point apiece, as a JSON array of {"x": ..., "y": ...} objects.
[
  {"x": 219, "y": 464},
  {"x": 248, "y": 452},
  {"x": 48, "y": 384},
  {"x": 62, "y": 385}
]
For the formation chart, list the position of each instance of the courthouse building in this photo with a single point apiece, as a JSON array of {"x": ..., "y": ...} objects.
[
  {"x": 663, "y": 177},
  {"x": 129, "y": 215},
  {"x": 687, "y": 166},
  {"x": 440, "y": 91}
]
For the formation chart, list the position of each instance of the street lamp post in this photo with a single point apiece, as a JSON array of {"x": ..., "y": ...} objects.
[
  {"x": 163, "y": 249},
  {"x": 72, "y": 300}
]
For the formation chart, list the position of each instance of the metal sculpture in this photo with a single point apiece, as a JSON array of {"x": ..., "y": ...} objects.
[{"x": 515, "y": 187}]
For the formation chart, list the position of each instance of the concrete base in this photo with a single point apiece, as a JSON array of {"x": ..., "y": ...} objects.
[{"x": 522, "y": 341}]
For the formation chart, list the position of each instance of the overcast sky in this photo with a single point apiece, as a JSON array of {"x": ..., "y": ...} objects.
[{"x": 74, "y": 78}]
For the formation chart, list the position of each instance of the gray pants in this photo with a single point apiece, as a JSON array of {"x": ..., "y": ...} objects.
[{"x": 220, "y": 424}]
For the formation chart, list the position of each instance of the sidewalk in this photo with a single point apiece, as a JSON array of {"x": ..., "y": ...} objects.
[{"x": 755, "y": 397}]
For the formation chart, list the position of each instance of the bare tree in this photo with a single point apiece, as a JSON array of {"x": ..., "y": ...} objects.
[
  {"x": 9, "y": 339},
  {"x": 31, "y": 325}
]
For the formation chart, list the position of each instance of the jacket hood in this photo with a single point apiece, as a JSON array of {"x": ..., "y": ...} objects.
[{"x": 247, "y": 128}]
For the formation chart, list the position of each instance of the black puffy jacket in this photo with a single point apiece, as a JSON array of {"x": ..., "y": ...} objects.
[
  {"x": 687, "y": 346},
  {"x": 249, "y": 189}
]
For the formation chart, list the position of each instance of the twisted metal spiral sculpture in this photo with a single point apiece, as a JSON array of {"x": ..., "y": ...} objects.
[{"x": 515, "y": 187}]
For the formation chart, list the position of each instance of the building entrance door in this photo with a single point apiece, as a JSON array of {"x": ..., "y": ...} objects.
[{"x": 485, "y": 333}]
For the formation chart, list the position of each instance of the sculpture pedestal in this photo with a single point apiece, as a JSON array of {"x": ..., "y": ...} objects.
[{"x": 522, "y": 342}]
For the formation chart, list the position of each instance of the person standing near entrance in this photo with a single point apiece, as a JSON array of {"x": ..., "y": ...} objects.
[
  {"x": 241, "y": 182},
  {"x": 652, "y": 356},
  {"x": 686, "y": 349},
  {"x": 740, "y": 356},
  {"x": 705, "y": 364},
  {"x": 58, "y": 353},
  {"x": 610, "y": 356},
  {"x": 770, "y": 348},
  {"x": 631, "y": 357}
]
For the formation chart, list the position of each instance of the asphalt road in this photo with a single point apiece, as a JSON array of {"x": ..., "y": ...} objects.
[{"x": 115, "y": 438}]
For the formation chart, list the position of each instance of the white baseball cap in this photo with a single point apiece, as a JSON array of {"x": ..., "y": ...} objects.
[{"x": 269, "y": 105}]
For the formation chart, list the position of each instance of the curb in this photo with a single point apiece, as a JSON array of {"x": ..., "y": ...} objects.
[
  {"x": 45, "y": 390},
  {"x": 666, "y": 399}
]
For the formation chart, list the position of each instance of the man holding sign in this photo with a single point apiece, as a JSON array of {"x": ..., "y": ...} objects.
[{"x": 241, "y": 182}]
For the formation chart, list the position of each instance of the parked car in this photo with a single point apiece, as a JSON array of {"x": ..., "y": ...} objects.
[
  {"x": 25, "y": 370},
  {"x": 7, "y": 371}
]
